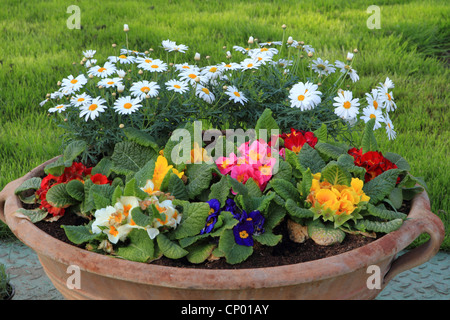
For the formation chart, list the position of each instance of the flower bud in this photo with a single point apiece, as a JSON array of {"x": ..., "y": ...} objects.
[
  {"x": 250, "y": 40},
  {"x": 140, "y": 71},
  {"x": 197, "y": 56},
  {"x": 310, "y": 54},
  {"x": 284, "y": 27},
  {"x": 290, "y": 40},
  {"x": 125, "y": 28},
  {"x": 120, "y": 88},
  {"x": 121, "y": 126},
  {"x": 114, "y": 45}
]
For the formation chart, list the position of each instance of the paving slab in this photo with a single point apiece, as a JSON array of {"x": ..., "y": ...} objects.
[{"x": 429, "y": 281}]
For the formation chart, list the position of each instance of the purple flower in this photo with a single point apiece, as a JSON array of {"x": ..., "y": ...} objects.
[
  {"x": 243, "y": 232},
  {"x": 249, "y": 224},
  {"x": 231, "y": 206},
  {"x": 214, "y": 212}
]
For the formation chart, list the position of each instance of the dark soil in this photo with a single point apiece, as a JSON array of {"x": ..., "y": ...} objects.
[{"x": 285, "y": 253}]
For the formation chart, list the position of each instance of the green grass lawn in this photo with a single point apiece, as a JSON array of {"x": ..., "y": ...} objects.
[{"x": 412, "y": 48}]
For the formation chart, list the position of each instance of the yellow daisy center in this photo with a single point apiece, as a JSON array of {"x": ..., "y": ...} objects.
[
  {"x": 375, "y": 104},
  {"x": 80, "y": 99},
  {"x": 237, "y": 94},
  {"x": 101, "y": 69},
  {"x": 192, "y": 76},
  {"x": 301, "y": 97},
  {"x": 177, "y": 86},
  {"x": 347, "y": 105},
  {"x": 122, "y": 56},
  {"x": 155, "y": 66},
  {"x": 145, "y": 89},
  {"x": 73, "y": 81},
  {"x": 127, "y": 105},
  {"x": 372, "y": 116},
  {"x": 93, "y": 106},
  {"x": 148, "y": 61},
  {"x": 205, "y": 90},
  {"x": 213, "y": 69}
]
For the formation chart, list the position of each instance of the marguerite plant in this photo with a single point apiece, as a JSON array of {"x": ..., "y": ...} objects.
[{"x": 153, "y": 92}]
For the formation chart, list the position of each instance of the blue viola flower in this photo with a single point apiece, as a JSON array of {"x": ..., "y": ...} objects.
[{"x": 214, "y": 212}]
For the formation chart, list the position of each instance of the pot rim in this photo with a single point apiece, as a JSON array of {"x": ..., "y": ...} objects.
[{"x": 212, "y": 279}]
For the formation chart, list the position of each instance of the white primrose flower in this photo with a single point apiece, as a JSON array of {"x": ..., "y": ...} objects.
[{"x": 110, "y": 221}]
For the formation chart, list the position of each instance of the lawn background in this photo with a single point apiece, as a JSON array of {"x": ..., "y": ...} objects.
[{"x": 412, "y": 48}]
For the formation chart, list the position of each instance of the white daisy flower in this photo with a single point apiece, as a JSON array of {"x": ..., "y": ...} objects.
[
  {"x": 177, "y": 86},
  {"x": 103, "y": 72},
  {"x": 71, "y": 84},
  {"x": 250, "y": 64},
  {"x": 144, "y": 62},
  {"x": 389, "y": 127},
  {"x": 80, "y": 100},
  {"x": 185, "y": 66},
  {"x": 156, "y": 66},
  {"x": 323, "y": 68},
  {"x": 211, "y": 72},
  {"x": 283, "y": 63},
  {"x": 58, "y": 108},
  {"x": 122, "y": 59},
  {"x": 110, "y": 82},
  {"x": 121, "y": 73},
  {"x": 267, "y": 51},
  {"x": 179, "y": 48},
  {"x": 89, "y": 54},
  {"x": 347, "y": 68},
  {"x": 229, "y": 66},
  {"x": 89, "y": 63},
  {"x": 262, "y": 58},
  {"x": 93, "y": 109},
  {"x": 56, "y": 95},
  {"x": 235, "y": 95},
  {"x": 388, "y": 84},
  {"x": 370, "y": 112},
  {"x": 241, "y": 49},
  {"x": 374, "y": 100},
  {"x": 43, "y": 102},
  {"x": 387, "y": 99},
  {"x": 304, "y": 96},
  {"x": 127, "y": 105},
  {"x": 204, "y": 94},
  {"x": 308, "y": 49},
  {"x": 192, "y": 77},
  {"x": 271, "y": 43},
  {"x": 135, "y": 52},
  {"x": 168, "y": 45},
  {"x": 144, "y": 88},
  {"x": 346, "y": 106}
]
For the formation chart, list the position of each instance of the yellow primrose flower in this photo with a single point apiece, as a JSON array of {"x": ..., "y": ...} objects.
[
  {"x": 198, "y": 154},
  {"x": 162, "y": 167}
]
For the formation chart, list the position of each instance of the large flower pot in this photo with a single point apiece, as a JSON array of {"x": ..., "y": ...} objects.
[{"x": 343, "y": 276}]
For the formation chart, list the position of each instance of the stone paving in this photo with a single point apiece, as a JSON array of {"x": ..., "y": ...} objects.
[{"x": 430, "y": 281}]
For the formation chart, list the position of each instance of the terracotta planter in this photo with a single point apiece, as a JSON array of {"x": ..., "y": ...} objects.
[{"x": 343, "y": 276}]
